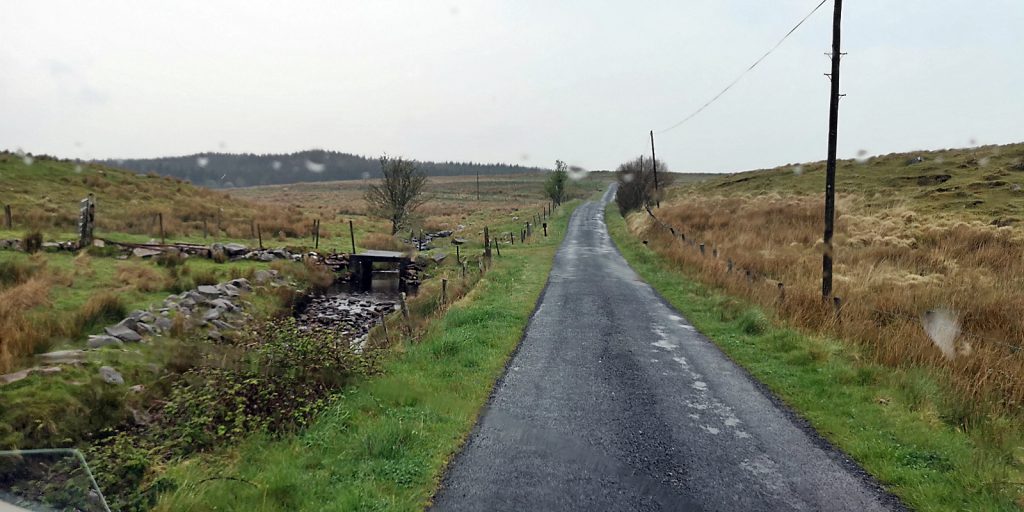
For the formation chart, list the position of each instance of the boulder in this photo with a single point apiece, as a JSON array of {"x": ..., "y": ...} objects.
[
  {"x": 142, "y": 252},
  {"x": 235, "y": 249},
  {"x": 63, "y": 356},
  {"x": 208, "y": 291},
  {"x": 123, "y": 333},
  {"x": 212, "y": 314},
  {"x": 223, "y": 304},
  {"x": 103, "y": 340},
  {"x": 265, "y": 256},
  {"x": 163, "y": 323},
  {"x": 262, "y": 276},
  {"x": 241, "y": 283},
  {"x": 111, "y": 376}
]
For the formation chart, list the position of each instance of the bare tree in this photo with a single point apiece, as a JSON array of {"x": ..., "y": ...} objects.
[
  {"x": 399, "y": 193},
  {"x": 636, "y": 184}
]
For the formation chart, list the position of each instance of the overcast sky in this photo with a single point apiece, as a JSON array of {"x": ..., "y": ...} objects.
[{"x": 524, "y": 81}]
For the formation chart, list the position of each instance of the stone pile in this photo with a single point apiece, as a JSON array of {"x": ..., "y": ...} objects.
[
  {"x": 422, "y": 242},
  {"x": 351, "y": 316},
  {"x": 216, "y": 308}
]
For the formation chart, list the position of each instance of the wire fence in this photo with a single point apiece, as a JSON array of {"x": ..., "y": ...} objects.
[{"x": 753, "y": 276}]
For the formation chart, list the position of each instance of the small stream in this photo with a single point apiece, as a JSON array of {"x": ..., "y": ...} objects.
[{"x": 351, "y": 313}]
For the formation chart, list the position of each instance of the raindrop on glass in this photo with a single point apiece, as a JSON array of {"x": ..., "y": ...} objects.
[
  {"x": 984, "y": 161},
  {"x": 577, "y": 173},
  {"x": 312, "y": 166},
  {"x": 798, "y": 170},
  {"x": 276, "y": 165},
  {"x": 78, "y": 169},
  {"x": 973, "y": 141},
  {"x": 943, "y": 329},
  {"x": 201, "y": 161},
  {"x": 862, "y": 156},
  {"x": 627, "y": 178}
]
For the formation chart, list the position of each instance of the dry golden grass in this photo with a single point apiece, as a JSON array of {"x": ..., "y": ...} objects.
[
  {"x": 19, "y": 335},
  {"x": 892, "y": 267},
  {"x": 143, "y": 278},
  {"x": 382, "y": 241}
]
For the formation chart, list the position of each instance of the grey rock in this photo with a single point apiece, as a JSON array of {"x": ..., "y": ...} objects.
[
  {"x": 208, "y": 291},
  {"x": 136, "y": 315},
  {"x": 111, "y": 376},
  {"x": 128, "y": 323},
  {"x": 262, "y": 276},
  {"x": 144, "y": 328},
  {"x": 222, "y": 325},
  {"x": 212, "y": 314},
  {"x": 241, "y": 283},
  {"x": 123, "y": 333},
  {"x": 223, "y": 304},
  {"x": 265, "y": 256},
  {"x": 235, "y": 249},
  {"x": 141, "y": 252},
  {"x": 163, "y": 323},
  {"x": 103, "y": 340},
  {"x": 214, "y": 335},
  {"x": 63, "y": 356}
]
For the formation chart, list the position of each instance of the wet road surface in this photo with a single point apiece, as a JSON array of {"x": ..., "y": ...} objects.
[{"x": 615, "y": 402}]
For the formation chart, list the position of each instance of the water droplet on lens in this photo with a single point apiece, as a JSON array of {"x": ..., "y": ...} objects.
[
  {"x": 27, "y": 159},
  {"x": 78, "y": 169},
  {"x": 627, "y": 178},
  {"x": 276, "y": 165},
  {"x": 312, "y": 166},
  {"x": 984, "y": 161},
  {"x": 862, "y": 156},
  {"x": 202, "y": 161},
  {"x": 798, "y": 170},
  {"x": 577, "y": 173},
  {"x": 943, "y": 329}
]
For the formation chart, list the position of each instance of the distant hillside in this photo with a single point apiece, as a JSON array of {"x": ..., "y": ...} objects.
[
  {"x": 985, "y": 182},
  {"x": 44, "y": 192},
  {"x": 223, "y": 170}
]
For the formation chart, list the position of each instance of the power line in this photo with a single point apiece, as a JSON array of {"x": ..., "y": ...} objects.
[{"x": 744, "y": 73}]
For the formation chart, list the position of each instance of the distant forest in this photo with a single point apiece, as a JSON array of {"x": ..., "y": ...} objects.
[{"x": 225, "y": 170}]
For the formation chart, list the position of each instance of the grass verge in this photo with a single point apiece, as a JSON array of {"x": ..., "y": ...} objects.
[
  {"x": 887, "y": 419},
  {"x": 385, "y": 441}
]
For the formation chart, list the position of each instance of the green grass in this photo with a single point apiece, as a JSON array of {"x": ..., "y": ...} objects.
[
  {"x": 986, "y": 183},
  {"x": 884, "y": 418},
  {"x": 385, "y": 442}
]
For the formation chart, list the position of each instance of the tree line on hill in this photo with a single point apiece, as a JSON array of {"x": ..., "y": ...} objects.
[{"x": 225, "y": 170}]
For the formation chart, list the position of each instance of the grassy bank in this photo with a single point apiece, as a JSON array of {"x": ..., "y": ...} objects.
[
  {"x": 385, "y": 441},
  {"x": 895, "y": 422}
]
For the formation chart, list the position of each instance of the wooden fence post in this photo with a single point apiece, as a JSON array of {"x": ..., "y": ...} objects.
[
  {"x": 405, "y": 311},
  {"x": 497, "y": 247},
  {"x": 352, "y": 235},
  {"x": 702, "y": 248},
  {"x": 444, "y": 290},
  {"x": 782, "y": 292},
  {"x": 545, "y": 230},
  {"x": 160, "y": 217},
  {"x": 8, "y": 218},
  {"x": 487, "y": 243},
  {"x": 259, "y": 235},
  {"x": 458, "y": 257}
]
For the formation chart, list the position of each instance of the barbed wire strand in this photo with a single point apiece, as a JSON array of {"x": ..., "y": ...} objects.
[{"x": 744, "y": 73}]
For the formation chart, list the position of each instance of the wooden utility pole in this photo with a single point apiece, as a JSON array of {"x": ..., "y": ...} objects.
[
  {"x": 657, "y": 195},
  {"x": 830, "y": 167}
]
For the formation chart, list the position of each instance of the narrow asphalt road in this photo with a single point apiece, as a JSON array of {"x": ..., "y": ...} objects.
[{"x": 615, "y": 402}]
